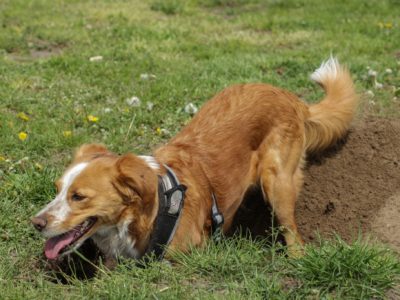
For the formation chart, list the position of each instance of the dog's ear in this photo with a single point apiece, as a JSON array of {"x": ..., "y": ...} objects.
[
  {"x": 90, "y": 150},
  {"x": 136, "y": 179}
]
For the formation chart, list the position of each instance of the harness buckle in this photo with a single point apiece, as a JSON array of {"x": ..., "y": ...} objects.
[{"x": 174, "y": 197}]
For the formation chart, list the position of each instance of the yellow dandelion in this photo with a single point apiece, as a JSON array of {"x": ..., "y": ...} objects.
[
  {"x": 22, "y": 136},
  {"x": 38, "y": 166},
  {"x": 158, "y": 131},
  {"x": 67, "y": 133},
  {"x": 92, "y": 118},
  {"x": 23, "y": 116},
  {"x": 388, "y": 25}
]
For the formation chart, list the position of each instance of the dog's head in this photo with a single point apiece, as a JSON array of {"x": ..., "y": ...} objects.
[{"x": 98, "y": 190}]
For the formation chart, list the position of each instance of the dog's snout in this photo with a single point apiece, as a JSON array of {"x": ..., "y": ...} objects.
[{"x": 39, "y": 222}]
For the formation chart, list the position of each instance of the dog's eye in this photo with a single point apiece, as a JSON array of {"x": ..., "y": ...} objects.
[{"x": 77, "y": 197}]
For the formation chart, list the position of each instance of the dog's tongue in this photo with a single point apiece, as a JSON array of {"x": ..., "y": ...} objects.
[{"x": 54, "y": 245}]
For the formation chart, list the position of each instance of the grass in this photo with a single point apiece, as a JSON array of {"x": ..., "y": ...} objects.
[
  {"x": 49, "y": 88},
  {"x": 357, "y": 270}
]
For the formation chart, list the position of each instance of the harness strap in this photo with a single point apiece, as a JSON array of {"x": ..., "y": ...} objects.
[
  {"x": 217, "y": 219},
  {"x": 171, "y": 195}
]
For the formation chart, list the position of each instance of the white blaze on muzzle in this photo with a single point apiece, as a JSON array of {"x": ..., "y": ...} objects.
[{"x": 59, "y": 207}]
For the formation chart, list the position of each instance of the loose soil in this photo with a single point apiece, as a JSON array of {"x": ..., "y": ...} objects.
[{"x": 350, "y": 189}]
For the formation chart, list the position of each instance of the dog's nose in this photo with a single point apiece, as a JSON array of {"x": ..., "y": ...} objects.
[{"x": 39, "y": 222}]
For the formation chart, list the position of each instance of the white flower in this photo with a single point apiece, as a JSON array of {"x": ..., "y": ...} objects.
[
  {"x": 96, "y": 58},
  {"x": 372, "y": 73},
  {"x": 134, "y": 101},
  {"x": 191, "y": 109},
  {"x": 150, "y": 106},
  {"x": 370, "y": 93},
  {"x": 107, "y": 110},
  {"x": 26, "y": 158},
  {"x": 146, "y": 76},
  {"x": 378, "y": 85},
  {"x": 165, "y": 131},
  {"x": 388, "y": 71}
]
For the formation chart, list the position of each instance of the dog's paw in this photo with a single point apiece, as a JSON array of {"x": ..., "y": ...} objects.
[{"x": 295, "y": 251}]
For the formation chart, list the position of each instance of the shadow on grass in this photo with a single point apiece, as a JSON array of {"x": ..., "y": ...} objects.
[{"x": 74, "y": 266}]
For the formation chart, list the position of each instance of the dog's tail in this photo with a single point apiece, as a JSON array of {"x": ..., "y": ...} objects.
[{"x": 329, "y": 119}]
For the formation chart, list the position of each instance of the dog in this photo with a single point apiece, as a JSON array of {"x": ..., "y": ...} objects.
[{"x": 247, "y": 135}]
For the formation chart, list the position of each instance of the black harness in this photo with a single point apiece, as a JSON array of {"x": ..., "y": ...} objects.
[{"x": 171, "y": 196}]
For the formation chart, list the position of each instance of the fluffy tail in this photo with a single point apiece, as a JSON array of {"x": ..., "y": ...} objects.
[{"x": 329, "y": 119}]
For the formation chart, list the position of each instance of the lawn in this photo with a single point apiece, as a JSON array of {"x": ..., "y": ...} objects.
[{"x": 122, "y": 72}]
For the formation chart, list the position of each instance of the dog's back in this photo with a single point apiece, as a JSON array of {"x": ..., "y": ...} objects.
[{"x": 257, "y": 134}]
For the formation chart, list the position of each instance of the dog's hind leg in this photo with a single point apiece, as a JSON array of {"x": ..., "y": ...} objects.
[{"x": 281, "y": 180}]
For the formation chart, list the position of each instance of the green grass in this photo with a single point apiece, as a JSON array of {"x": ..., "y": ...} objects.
[{"x": 194, "y": 48}]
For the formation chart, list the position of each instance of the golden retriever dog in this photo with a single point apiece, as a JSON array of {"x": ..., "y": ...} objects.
[{"x": 247, "y": 135}]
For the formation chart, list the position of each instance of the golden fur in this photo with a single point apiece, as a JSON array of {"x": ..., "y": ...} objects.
[{"x": 247, "y": 135}]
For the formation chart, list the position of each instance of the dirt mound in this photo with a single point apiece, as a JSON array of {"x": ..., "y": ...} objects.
[
  {"x": 350, "y": 188},
  {"x": 355, "y": 187}
]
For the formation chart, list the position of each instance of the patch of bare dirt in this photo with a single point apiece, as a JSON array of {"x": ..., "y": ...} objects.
[
  {"x": 352, "y": 188},
  {"x": 38, "y": 50},
  {"x": 386, "y": 223}
]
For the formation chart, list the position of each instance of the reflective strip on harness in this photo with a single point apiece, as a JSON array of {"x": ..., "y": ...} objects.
[{"x": 217, "y": 219}]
